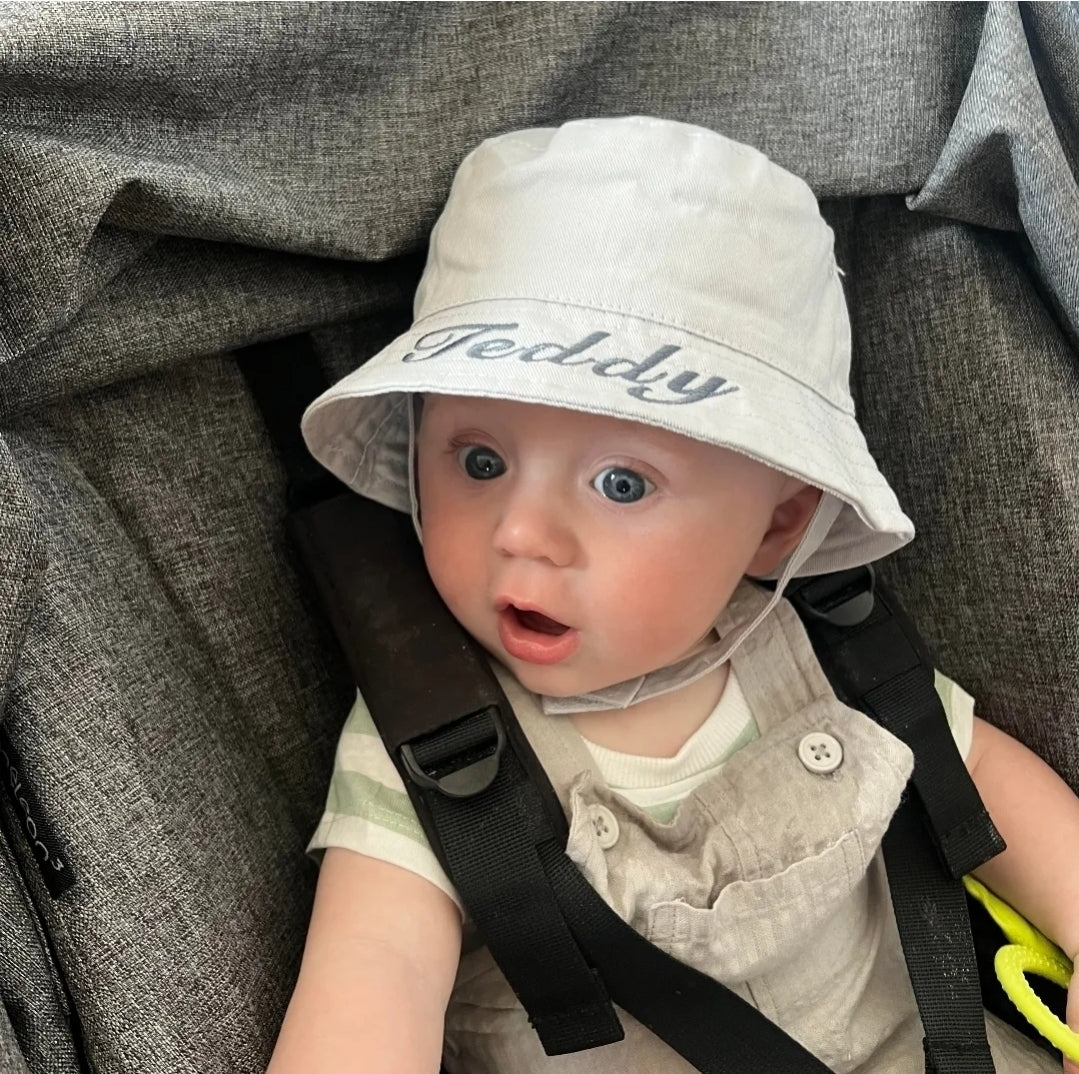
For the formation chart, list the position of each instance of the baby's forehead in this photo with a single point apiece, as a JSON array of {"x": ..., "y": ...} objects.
[
  {"x": 537, "y": 416},
  {"x": 539, "y": 421}
]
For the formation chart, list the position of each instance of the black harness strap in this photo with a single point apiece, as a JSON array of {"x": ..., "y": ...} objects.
[
  {"x": 284, "y": 376},
  {"x": 879, "y": 664},
  {"x": 875, "y": 662},
  {"x": 453, "y": 736},
  {"x": 706, "y": 1023}
]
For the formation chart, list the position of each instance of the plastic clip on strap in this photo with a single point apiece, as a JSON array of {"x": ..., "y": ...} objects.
[{"x": 875, "y": 662}]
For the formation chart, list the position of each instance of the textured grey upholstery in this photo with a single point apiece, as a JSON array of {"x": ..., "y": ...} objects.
[{"x": 178, "y": 180}]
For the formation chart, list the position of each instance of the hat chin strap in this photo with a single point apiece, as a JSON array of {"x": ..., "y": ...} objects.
[
  {"x": 413, "y": 466},
  {"x": 673, "y": 677}
]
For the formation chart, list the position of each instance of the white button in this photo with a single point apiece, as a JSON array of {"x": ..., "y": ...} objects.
[
  {"x": 605, "y": 826},
  {"x": 819, "y": 752}
]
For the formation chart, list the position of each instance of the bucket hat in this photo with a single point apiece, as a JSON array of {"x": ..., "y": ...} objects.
[{"x": 644, "y": 269}]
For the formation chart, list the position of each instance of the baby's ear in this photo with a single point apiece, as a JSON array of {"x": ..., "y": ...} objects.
[{"x": 789, "y": 521}]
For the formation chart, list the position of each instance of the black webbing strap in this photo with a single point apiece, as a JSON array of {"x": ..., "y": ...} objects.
[
  {"x": 875, "y": 662},
  {"x": 444, "y": 718},
  {"x": 707, "y": 1024},
  {"x": 880, "y": 665},
  {"x": 492, "y": 844},
  {"x": 284, "y": 376},
  {"x": 494, "y": 820}
]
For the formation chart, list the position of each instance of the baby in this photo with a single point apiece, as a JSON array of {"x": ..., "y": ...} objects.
[{"x": 625, "y": 394}]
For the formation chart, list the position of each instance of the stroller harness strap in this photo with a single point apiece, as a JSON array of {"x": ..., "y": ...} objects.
[
  {"x": 496, "y": 825},
  {"x": 876, "y": 662}
]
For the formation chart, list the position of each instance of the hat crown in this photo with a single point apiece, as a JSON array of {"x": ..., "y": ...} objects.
[{"x": 656, "y": 220}]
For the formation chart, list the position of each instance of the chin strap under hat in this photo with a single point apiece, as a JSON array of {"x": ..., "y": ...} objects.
[{"x": 645, "y": 269}]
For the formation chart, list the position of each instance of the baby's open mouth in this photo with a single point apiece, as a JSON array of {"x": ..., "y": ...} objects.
[
  {"x": 537, "y": 621},
  {"x": 533, "y": 636}
]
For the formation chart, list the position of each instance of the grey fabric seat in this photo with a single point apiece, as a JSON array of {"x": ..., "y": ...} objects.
[{"x": 180, "y": 180}]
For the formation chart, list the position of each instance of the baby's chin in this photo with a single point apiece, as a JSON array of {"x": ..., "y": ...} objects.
[
  {"x": 563, "y": 680},
  {"x": 560, "y": 682}
]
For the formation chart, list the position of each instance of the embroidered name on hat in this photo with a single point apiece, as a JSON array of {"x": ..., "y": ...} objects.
[{"x": 651, "y": 379}]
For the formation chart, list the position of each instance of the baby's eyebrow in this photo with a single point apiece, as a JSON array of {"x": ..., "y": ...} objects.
[
  {"x": 436, "y": 401},
  {"x": 655, "y": 439}
]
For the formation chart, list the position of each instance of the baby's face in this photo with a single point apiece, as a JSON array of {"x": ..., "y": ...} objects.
[{"x": 582, "y": 551}]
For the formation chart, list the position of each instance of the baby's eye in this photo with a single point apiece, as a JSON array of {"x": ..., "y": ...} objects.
[
  {"x": 481, "y": 463},
  {"x": 621, "y": 485}
]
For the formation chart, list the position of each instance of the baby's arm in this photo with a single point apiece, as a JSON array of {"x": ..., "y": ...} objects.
[
  {"x": 1038, "y": 815},
  {"x": 378, "y": 967}
]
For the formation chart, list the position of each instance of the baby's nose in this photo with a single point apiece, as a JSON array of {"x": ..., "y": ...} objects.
[{"x": 531, "y": 529}]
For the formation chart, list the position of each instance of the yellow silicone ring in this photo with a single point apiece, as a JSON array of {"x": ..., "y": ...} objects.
[
  {"x": 1012, "y": 963},
  {"x": 1028, "y": 951}
]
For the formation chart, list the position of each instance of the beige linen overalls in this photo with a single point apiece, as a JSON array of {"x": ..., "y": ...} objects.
[{"x": 769, "y": 879}]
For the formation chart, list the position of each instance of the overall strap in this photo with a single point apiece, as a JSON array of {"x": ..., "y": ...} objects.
[{"x": 876, "y": 662}]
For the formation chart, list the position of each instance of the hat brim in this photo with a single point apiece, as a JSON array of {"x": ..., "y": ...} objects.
[{"x": 601, "y": 362}]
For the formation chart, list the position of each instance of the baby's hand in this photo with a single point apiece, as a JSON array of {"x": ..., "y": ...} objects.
[{"x": 1071, "y": 1066}]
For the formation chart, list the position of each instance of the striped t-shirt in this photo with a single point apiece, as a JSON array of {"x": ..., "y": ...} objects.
[{"x": 368, "y": 810}]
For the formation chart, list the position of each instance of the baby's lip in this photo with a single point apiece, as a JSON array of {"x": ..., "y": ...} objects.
[
  {"x": 538, "y": 618},
  {"x": 527, "y": 633}
]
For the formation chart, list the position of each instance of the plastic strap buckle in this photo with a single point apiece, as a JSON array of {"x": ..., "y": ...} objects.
[
  {"x": 460, "y": 760},
  {"x": 844, "y": 599}
]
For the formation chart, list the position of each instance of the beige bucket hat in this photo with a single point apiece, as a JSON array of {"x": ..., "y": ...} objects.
[{"x": 640, "y": 268}]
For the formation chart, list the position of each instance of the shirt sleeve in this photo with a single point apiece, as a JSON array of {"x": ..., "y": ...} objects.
[
  {"x": 959, "y": 708},
  {"x": 368, "y": 809}
]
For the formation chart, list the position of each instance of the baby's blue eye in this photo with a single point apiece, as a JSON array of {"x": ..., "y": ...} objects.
[
  {"x": 481, "y": 463},
  {"x": 621, "y": 485}
]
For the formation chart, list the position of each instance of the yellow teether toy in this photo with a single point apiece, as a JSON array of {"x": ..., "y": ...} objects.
[{"x": 1028, "y": 951}]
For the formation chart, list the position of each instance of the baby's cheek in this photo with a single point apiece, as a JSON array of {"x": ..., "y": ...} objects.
[
  {"x": 450, "y": 558},
  {"x": 651, "y": 619},
  {"x": 662, "y": 617}
]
